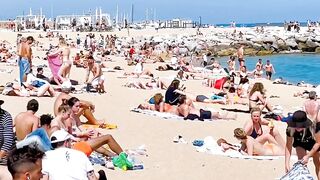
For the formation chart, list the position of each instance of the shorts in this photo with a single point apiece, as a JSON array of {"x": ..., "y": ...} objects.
[
  {"x": 24, "y": 67},
  {"x": 95, "y": 82},
  {"x": 268, "y": 73},
  {"x": 306, "y": 146},
  {"x": 83, "y": 147},
  {"x": 201, "y": 98},
  {"x": 205, "y": 114}
]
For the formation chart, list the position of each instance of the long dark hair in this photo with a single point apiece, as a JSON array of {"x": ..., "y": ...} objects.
[{"x": 70, "y": 102}]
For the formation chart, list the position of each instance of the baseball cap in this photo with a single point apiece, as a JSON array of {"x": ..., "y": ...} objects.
[{"x": 60, "y": 136}]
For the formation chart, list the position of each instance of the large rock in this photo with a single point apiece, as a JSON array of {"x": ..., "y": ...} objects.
[
  {"x": 226, "y": 52},
  {"x": 302, "y": 39},
  {"x": 291, "y": 43},
  {"x": 317, "y": 50},
  {"x": 316, "y": 39},
  {"x": 264, "y": 53},
  {"x": 268, "y": 39},
  {"x": 312, "y": 44},
  {"x": 302, "y": 46},
  {"x": 282, "y": 45},
  {"x": 250, "y": 51}
]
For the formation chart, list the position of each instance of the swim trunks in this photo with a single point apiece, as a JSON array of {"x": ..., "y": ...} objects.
[
  {"x": 24, "y": 67},
  {"x": 268, "y": 73},
  {"x": 83, "y": 147}
]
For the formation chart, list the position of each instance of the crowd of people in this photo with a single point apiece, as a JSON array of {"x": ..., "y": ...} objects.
[{"x": 58, "y": 146}]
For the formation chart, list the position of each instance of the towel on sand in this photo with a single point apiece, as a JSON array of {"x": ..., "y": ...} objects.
[
  {"x": 163, "y": 115},
  {"x": 210, "y": 146}
]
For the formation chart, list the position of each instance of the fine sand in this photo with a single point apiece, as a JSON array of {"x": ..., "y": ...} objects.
[{"x": 166, "y": 160}]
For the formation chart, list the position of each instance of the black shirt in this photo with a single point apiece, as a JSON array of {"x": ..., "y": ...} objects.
[{"x": 171, "y": 97}]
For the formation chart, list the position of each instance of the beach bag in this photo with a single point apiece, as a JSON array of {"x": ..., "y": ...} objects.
[{"x": 298, "y": 172}]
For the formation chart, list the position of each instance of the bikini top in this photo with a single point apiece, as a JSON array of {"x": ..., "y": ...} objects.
[{"x": 254, "y": 134}]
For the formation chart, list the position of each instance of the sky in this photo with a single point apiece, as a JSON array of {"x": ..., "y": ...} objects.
[{"x": 210, "y": 11}]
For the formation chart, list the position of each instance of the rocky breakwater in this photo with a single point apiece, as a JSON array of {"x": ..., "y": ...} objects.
[{"x": 272, "y": 41}]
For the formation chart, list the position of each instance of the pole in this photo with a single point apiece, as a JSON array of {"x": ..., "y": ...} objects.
[{"x": 132, "y": 9}]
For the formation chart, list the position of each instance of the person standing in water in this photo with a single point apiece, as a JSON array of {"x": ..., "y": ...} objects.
[
  {"x": 240, "y": 54},
  {"x": 269, "y": 70}
]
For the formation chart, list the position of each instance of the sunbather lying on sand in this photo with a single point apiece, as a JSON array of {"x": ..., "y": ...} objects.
[
  {"x": 252, "y": 147},
  {"x": 159, "y": 105},
  {"x": 152, "y": 84},
  {"x": 189, "y": 112}
]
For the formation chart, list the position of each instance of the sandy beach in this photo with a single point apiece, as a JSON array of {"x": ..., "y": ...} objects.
[{"x": 165, "y": 160}]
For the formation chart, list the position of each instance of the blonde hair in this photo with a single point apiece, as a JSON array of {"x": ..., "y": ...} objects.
[
  {"x": 240, "y": 133},
  {"x": 158, "y": 98},
  {"x": 292, "y": 130},
  {"x": 255, "y": 109},
  {"x": 63, "y": 108}
]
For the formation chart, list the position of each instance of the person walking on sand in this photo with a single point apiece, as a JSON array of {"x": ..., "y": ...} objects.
[
  {"x": 240, "y": 54},
  {"x": 269, "y": 69},
  {"x": 25, "y": 58}
]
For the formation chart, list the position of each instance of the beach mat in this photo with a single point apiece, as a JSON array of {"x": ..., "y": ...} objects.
[
  {"x": 210, "y": 146},
  {"x": 91, "y": 126},
  {"x": 163, "y": 115}
]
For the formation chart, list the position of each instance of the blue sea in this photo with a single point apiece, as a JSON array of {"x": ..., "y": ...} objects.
[
  {"x": 293, "y": 68},
  {"x": 257, "y": 24}
]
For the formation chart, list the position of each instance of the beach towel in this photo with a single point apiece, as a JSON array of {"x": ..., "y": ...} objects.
[
  {"x": 55, "y": 63},
  {"x": 298, "y": 171},
  {"x": 103, "y": 126},
  {"x": 210, "y": 146},
  {"x": 163, "y": 115}
]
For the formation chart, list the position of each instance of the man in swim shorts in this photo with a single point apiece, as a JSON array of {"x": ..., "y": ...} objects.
[
  {"x": 97, "y": 80},
  {"x": 24, "y": 61}
]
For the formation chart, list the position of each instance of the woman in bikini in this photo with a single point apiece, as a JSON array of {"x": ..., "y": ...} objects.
[
  {"x": 161, "y": 106},
  {"x": 89, "y": 140},
  {"x": 257, "y": 99},
  {"x": 300, "y": 135},
  {"x": 253, "y": 147},
  {"x": 64, "y": 52},
  {"x": 260, "y": 129}
]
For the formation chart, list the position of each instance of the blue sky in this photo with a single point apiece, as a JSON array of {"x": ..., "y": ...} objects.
[{"x": 211, "y": 11}]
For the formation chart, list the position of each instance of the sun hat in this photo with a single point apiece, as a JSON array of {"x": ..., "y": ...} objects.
[
  {"x": 60, "y": 136},
  {"x": 299, "y": 120}
]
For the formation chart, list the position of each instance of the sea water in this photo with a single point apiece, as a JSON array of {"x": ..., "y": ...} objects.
[{"x": 291, "y": 67}]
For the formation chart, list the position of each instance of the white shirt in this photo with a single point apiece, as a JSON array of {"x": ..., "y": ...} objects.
[{"x": 67, "y": 164}]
